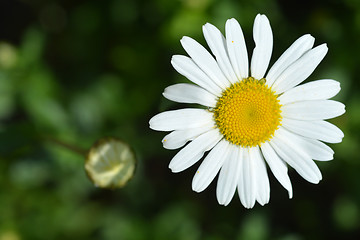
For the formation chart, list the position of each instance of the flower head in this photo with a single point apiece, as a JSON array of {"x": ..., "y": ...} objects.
[
  {"x": 253, "y": 118},
  {"x": 110, "y": 163}
]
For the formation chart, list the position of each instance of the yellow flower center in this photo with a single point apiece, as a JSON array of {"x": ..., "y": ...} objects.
[{"x": 248, "y": 113}]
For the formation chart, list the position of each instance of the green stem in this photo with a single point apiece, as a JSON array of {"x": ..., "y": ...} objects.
[{"x": 68, "y": 146}]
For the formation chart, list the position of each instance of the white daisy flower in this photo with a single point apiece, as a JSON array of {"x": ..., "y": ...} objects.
[{"x": 252, "y": 119}]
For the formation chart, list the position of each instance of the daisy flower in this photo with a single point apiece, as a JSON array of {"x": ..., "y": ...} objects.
[{"x": 253, "y": 120}]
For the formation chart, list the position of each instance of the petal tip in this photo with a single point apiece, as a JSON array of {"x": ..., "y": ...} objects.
[
  {"x": 290, "y": 195},
  {"x": 196, "y": 187},
  {"x": 151, "y": 123},
  {"x": 316, "y": 181},
  {"x": 231, "y": 22},
  {"x": 207, "y": 25},
  {"x": 173, "y": 169},
  {"x": 323, "y": 47},
  {"x": 185, "y": 39},
  {"x": 309, "y": 36}
]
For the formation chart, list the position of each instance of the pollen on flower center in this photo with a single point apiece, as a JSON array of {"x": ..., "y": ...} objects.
[{"x": 248, "y": 113}]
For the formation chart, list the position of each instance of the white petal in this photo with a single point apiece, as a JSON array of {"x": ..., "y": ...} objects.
[
  {"x": 262, "y": 179},
  {"x": 316, "y": 90},
  {"x": 205, "y": 61},
  {"x": 277, "y": 166},
  {"x": 236, "y": 46},
  {"x": 189, "y": 93},
  {"x": 229, "y": 175},
  {"x": 187, "y": 67},
  {"x": 313, "y": 110},
  {"x": 320, "y": 130},
  {"x": 300, "y": 70},
  {"x": 247, "y": 185},
  {"x": 210, "y": 166},
  {"x": 290, "y": 153},
  {"x": 263, "y": 39},
  {"x": 217, "y": 44},
  {"x": 313, "y": 148},
  {"x": 179, "y": 138},
  {"x": 296, "y": 50},
  {"x": 192, "y": 152},
  {"x": 180, "y": 119}
]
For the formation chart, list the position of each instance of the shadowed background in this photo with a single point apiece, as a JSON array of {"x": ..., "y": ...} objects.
[{"x": 76, "y": 71}]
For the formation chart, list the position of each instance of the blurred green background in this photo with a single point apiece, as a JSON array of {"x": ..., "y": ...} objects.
[{"x": 76, "y": 71}]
